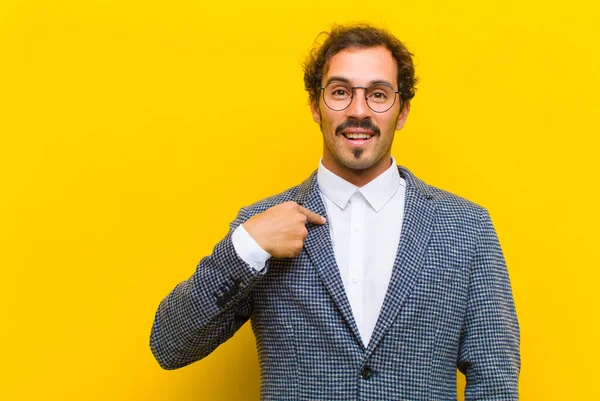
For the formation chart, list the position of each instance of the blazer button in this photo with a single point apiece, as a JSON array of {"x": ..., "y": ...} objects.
[{"x": 366, "y": 372}]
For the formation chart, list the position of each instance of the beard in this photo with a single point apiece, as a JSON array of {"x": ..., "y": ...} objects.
[
  {"x": 354, "y": 123},
  {"x": 357, "y": 153},
  {"x": 358, "y": 162}
]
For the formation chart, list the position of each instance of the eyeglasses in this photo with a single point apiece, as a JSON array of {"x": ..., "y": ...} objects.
[{"x": 380, "y": 97}]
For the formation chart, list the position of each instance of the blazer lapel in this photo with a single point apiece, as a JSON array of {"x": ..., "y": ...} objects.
[
  {"x": 419, "y": 212},
  {"x": 320, "y": 249}
]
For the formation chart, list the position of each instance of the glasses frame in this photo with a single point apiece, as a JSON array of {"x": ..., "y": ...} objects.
[{"x": 322, "y": 88}]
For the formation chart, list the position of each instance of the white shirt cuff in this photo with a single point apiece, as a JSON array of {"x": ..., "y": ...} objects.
[{"x": 248, "y": 249}]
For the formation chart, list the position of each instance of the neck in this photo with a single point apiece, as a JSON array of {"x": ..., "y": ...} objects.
[{"x": 358, "y": 177}]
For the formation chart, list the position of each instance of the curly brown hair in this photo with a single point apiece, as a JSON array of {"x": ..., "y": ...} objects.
[{"x": 359, "y": 36}]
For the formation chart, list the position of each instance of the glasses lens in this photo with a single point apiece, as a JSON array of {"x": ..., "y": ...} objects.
[
  {"x": 337, "y": 96},
  {"x": 380, "y": 97}
]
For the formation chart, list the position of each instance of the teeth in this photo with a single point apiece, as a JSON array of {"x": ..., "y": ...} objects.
[{"x": 352, "y": 135}]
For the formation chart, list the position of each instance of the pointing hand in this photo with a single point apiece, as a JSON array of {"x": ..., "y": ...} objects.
[{"x": 281, "y": 229}]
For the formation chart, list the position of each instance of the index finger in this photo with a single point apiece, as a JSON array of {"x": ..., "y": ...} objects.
[{"x": 312, "y": 217}]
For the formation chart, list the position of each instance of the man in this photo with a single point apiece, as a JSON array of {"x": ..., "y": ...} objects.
[{"x": 384, "y": 298}]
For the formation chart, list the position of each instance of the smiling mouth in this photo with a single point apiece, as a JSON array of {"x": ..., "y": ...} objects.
[
  {"x": 357, "y": 140},
  {"x": 357, "y": 135}
]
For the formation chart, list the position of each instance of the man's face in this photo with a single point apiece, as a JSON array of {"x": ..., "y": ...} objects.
[{"x": 341, "y": 154}]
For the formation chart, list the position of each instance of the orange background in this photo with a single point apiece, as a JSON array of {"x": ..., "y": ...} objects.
[{"x": 133, "y": 131}]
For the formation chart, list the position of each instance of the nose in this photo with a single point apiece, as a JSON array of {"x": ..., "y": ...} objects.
[{"x": 358, "y": 107}]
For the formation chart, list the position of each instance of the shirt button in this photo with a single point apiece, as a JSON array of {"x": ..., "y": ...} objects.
[
  {"x": 354, "y": 279},
  {"x": 366, "y": 372},
  {"x": 356, "y": 227}
]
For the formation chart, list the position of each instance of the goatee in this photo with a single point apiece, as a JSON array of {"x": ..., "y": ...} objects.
[{"x": 357, "y": 153}]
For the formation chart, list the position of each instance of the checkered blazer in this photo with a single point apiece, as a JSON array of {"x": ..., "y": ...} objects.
[{"x": 449, "y": 304}]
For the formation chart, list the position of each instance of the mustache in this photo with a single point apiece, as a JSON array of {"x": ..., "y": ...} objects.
[{"x": 354, "y": 123}]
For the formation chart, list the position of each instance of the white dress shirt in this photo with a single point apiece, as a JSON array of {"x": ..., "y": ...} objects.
[{"x": 365, "y": 225}]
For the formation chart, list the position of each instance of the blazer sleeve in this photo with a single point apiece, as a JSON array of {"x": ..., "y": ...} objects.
[
  {"x": 489, "y": 345},
  {"x": 207, "y": 309}
]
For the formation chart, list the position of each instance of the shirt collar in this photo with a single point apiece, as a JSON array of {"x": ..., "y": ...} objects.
[{"x": 378, "y": 192}]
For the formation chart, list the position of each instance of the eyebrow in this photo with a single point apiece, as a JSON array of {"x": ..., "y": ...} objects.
[{"x": 347, "y": 81}]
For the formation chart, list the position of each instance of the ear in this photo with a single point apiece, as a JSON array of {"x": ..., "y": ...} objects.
[
  {"x": 402, "y": 116},
  {"x": 316, "y": 113}
]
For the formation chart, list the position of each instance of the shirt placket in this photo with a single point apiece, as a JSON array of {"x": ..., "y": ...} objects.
[{"x": 356, "y": 265}]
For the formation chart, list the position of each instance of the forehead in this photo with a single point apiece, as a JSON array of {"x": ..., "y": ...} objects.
[{"x": 363, "y": 66}]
